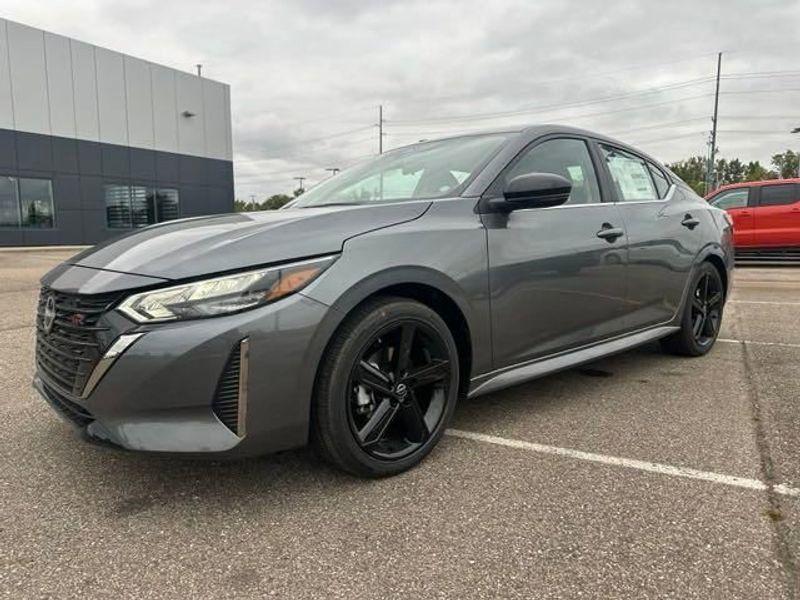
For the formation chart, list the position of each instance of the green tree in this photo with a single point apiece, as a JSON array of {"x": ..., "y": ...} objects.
[
  {"x": 787, "y": 164},
  {"x": 755, "y": 171},
  {"x": 242, "y": 206},
  {"x": 275, "y": 201},
  {"x": 692, "y": 171}
]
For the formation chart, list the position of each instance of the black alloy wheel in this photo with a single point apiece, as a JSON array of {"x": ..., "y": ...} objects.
[
  {"x": 702, "y": 314},
  {"x": 706, "y": 309},
  {"x": 398, "y": 389},
  {"x": 387, "y": 388}
]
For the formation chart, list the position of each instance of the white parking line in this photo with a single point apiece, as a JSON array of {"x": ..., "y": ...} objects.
[
  {"x": 754, "y": 343},
  {"x": 773, "y": 303},
  {"x": 639, "y": 465}
]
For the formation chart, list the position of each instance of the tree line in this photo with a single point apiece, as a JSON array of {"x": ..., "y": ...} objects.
[{"x": 693, "y": 170}]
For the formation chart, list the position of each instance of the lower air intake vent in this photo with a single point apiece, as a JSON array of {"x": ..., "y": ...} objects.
[{"x": 230, "y": 399}]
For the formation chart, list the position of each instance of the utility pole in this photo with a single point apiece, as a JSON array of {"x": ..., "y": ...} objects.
[
  {"x": 712, "y": 159},
  {"x": 380, "y": 129},
  {"x": 333, "y": 170},
  {"x": 199, "y": 70},
  {"x": 300, "y": 186},
  {"x": 797, "y": 130}
]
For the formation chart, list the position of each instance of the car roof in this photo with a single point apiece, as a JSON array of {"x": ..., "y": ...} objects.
[
  {"x": 540, "y": 130},
  {"x": 762, "y": 183}
]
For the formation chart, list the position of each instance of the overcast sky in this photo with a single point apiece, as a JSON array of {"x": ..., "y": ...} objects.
[{"x": 307, "y": 76}]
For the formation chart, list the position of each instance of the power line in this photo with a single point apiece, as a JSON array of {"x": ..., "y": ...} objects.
[{"x": 550, "y": 107}]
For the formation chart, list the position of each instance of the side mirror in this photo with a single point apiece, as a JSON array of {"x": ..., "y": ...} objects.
[{"x": 534, "y": 190}]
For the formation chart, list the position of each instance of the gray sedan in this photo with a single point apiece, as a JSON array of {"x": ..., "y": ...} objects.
[{"x": 356, "y": 317}]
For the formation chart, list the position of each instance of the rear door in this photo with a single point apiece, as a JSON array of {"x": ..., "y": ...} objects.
[
  {"x": 556, "y": 275},
  {"x": 739, "y": 203},
  {"x": 665, "y": 233},
  {"x": 777, "y": 216}
]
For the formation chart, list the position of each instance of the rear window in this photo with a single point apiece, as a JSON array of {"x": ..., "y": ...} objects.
[{"x": 774, "y": 195}]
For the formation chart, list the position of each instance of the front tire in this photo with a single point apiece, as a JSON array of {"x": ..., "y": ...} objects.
[
  {"x": 702, "y": 315},
  {"x": 386, "y": 388}
]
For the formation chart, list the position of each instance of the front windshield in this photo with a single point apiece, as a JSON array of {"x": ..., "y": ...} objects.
[{"x": 422, "y": 171}]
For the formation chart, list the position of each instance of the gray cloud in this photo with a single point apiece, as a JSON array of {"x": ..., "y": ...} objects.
[{"x": 305, "y": 73}]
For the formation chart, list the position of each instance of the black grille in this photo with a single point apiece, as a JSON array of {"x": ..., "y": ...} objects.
[
  {"x": 226, "y": 398},
  {"x": 70, "y": 349},
  {"x": 77, "y": 414}
]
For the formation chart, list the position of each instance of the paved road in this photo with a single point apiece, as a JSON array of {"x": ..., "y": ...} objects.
[{"x": 639, "y": 476}]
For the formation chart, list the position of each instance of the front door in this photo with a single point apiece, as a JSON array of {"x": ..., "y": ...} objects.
[
  {"x": 777, "y": 216},
  {"x": 739, "y": 206},
  {"x": 556, "y": 275}
]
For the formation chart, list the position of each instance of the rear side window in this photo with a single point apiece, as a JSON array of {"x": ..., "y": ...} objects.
[
  {"x": 775, "y": 195},
  {"x": 662, "y": 185},
  {"x": 732, "y": 199},
  {"x": 630, "y": 174}
]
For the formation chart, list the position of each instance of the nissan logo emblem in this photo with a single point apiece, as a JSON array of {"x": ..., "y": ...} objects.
[{"x": 49, "y": 313}]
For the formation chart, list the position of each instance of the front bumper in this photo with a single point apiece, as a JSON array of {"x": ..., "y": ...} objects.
[{"x": 157, "y": 396}]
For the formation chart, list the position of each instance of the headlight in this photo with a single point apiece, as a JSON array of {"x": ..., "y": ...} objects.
[{"x": 223, "y": 295}]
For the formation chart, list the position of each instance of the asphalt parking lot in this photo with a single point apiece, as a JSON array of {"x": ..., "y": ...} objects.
[{"x": 639, "y": 476}]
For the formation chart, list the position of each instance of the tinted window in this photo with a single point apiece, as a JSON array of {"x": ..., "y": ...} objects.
[
  {"x": 773, "y": 195},
  {"x": 143, "y": 211},
  {"x": 9, "y": 205},
  {"x": 566, "y": 157},
  {"x": 630, "y": 174},
  {"x": 36, "y": 203},
  {"x": 139, "y": 206},
  {"x": 662, "y": 185},
  {"x": 167, "y": 204},
  {"x": 118, "y": 206},
  {"x": 732, "y": 199},
  {"x": 26, "y": 202}
]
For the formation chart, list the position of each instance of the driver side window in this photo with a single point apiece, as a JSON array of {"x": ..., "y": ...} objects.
[{"x": 566, "y": 157}]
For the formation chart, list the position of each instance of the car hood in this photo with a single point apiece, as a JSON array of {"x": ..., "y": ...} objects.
[{"x": 205, "y": 245}]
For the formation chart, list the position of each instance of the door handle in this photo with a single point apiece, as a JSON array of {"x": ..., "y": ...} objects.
[
  {"x": 689, "y": 221},
  {"x": 610, "y": 233},
  {"x": 746, "y": 213}
]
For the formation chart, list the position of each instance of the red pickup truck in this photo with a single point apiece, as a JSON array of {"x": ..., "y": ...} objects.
[{"x": 765, "y": 214}]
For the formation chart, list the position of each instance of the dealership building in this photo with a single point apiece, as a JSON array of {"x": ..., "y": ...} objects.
[{"x": 94, "y": 143}]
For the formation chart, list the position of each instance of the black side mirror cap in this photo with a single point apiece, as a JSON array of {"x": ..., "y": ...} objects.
[{"x": 533, "y": 190}]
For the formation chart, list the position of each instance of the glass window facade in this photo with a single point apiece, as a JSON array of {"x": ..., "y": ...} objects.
[
  {"x": 26, "y": 202},
  {"x": 131, "y": 206}
]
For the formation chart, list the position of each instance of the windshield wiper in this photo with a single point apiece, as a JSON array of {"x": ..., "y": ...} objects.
[{"x": 332, "y": 204}]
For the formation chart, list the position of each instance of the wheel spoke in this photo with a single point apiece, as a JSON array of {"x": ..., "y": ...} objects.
[
  {"x": 697, "y": 303},
  {"x": 710, "y": 325},
  {"x": 404, "y": 350},
  {"x": 372, "y": 377},
  {"x": 438, "y": 370},
  {"x": 375, "y": 428},
  {"x": 698, "y": 325},
  {"x": 414, "y": 420},
  {"x": 705, "y": 289},
  {"x": 715, "y": 299}
]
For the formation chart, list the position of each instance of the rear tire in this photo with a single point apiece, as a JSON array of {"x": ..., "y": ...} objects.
[
  {"x": 386, "y": 388},
  {"x": 702, "y": 315}
]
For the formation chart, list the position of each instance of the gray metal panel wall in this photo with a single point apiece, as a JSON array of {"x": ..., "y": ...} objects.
[{"x": 52, "y": 85}]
